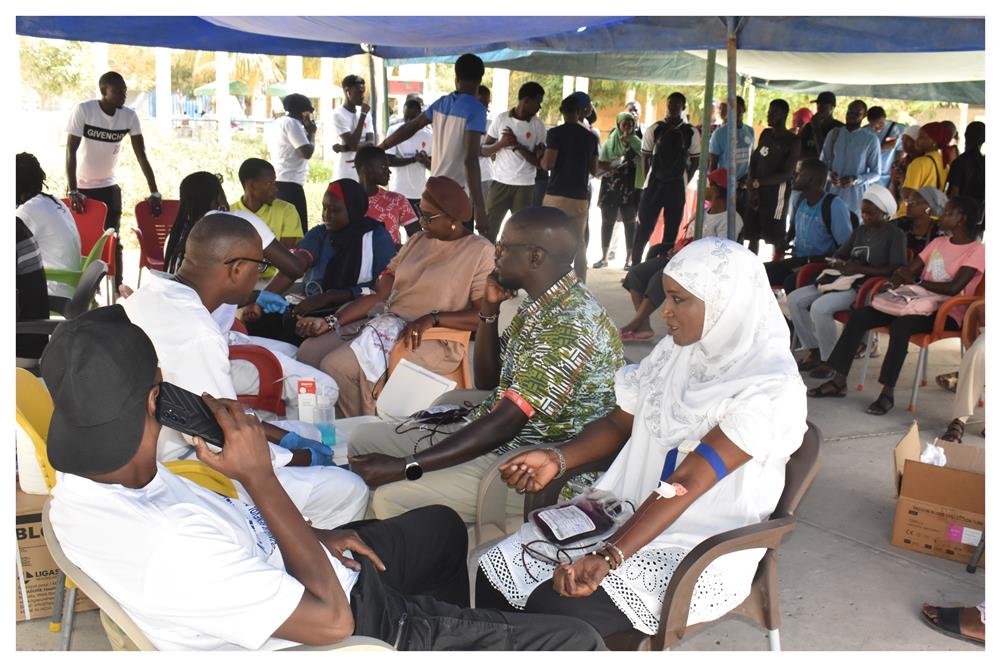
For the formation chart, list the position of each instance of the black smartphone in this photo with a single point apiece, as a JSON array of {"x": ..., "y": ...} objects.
[{"x": 188, "y": 413}]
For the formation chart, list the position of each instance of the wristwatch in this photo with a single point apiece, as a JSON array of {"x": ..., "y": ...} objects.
[
  {"x": 332, "y": 321},
  {"x": 436, "y": 315},
  {"x": 755, "y": 184},
  {"x": 413, "y": 470}
]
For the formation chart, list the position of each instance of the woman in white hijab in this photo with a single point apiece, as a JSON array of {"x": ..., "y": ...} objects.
[
  {"x": 723, "y": 382},
  {"x": 875, "y": 249}
]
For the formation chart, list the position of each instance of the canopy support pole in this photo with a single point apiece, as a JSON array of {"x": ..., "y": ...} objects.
[
  {"x": 373, "y": 97},
  {"x": 732, "y": 31},
  {"x": 164, "y": 99},
  {"x": 706, "y": 127},
  {"x": 751, "y": 101},
  {"x": 222, "y": 98}
]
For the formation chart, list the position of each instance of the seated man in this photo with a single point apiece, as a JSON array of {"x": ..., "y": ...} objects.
[
  {"x": 199, "y": 571},
  {"x": 550, "y": 371},
  {"x": 388, "y": 207},
  {"x": 820, "y": 223},
  {"x": 222, "y": 258},
  {"x": 260, "y": 197}
]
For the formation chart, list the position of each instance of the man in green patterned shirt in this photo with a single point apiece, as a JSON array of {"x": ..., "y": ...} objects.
[{"x": 548, "y": 376}]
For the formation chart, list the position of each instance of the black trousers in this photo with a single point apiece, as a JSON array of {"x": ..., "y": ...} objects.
[
  {"x": 647, "y": 279},
  {"x": 597, "y": 610},
  {"x": 785, "y": 271},
  {"x": 295, "y": 194},
  {"x": 900, "y": 330},
  {"x": 111, "y": 196},
  {"x": 609, "y": 215},
  {"x": 276, "y": 327},
  {"x": 541, "y": 184},
  {"x": 667, "y": 196},
  {"x": 420, "y": 602}
]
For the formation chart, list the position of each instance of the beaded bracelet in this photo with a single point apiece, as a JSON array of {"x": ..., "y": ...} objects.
[{"x": 562, "y": 460}]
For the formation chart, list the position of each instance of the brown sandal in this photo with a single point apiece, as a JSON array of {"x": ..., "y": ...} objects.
[{"x": 955, "y": 432}]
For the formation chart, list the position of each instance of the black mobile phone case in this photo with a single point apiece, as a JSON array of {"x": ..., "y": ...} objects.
[{"x": 186, "y": 412}]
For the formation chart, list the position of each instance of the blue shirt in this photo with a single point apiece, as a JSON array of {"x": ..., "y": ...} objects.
[
  {"x": 451, "y": 117},
  {"x": 380, "y": 244},
  {"x": 886, "y": 157},
  {"x": 854, "y": 154},
  {"x": 811, "y": 237},
  {"x": 719, "y": 145}
]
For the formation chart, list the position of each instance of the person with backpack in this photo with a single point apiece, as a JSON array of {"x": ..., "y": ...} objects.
[
  {"x": 888, "y": 133},
  {"x": 821, "y": 222},
  {"x": 670, "y": 151},
  {"x": 852, "y": 156}
]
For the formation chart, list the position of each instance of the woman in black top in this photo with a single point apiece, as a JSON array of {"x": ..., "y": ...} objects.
[{"x": 772, "y": 167}]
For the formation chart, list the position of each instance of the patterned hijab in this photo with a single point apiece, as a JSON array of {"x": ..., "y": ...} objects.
[{"x": 740, "y": 375}]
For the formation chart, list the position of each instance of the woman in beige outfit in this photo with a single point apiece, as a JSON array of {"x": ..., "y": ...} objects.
[{"x": 437, "y": 279}]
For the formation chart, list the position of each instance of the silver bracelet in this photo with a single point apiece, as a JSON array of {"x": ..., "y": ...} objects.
[
  {"x": 562, "y": 460},
  {"x": 617, "y": 550}
]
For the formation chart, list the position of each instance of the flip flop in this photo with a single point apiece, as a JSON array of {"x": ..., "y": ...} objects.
[
  {"x": 947, "y": 623},
  {"x": 828, "y": 390},
  {"x": 637, "y": 337},
  {"x": 881, "y": 406}
]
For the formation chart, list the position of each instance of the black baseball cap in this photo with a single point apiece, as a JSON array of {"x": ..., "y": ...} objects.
[
  {"x": 825, "y": 98},
  {"x": 99, "y": 369}
]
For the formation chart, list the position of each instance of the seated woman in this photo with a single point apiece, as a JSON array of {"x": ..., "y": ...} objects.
[
  {"x": 875, "y": 249},
  {"x": 348, "y": 251},
  {"x": 724, "y": 377},
  {"x": 437, "y": 279},
  {"x": 923, "y": 207},
  {"x": 949, "y": 266},
  {"x": 644, "y": 282}
]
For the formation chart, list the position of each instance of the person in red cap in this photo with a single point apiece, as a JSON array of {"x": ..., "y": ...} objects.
[
  {"x": 800, "y": 119},
  {"x": 932, "y": 167}
]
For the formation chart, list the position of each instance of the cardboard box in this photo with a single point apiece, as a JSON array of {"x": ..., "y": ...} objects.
[
  {"x": 40, "y": 571},
  {"x": 940, "y": 510}
]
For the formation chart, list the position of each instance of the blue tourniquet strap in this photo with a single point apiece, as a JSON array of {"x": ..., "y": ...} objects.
[
  {"x": 713, "y": 458},
  {"x": 669, "y": 463}
]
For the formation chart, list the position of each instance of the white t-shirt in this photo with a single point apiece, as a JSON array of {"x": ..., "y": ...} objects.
[
  {"x": 54, "y": 230},
  {"x": 193, "y": 569},
  {"x": 192, "y": 351},
  {"x": 284, "y": 137},
  {"x": 411, "y": 179},
  {"x": 716, "y": 224},
  {"x": 486, "y": 171},
  {"x": 510, "y": 167},
  {"x": 344, "y": 122},
  {"x": 225, "y": 314},
  {"x": 101, "y": 141}
]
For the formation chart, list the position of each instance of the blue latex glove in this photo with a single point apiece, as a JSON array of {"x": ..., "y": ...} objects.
[
  {"x": 321, "y": 453},
  {"x": 271, "y": 302}
]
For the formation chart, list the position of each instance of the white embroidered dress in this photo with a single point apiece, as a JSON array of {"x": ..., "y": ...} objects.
[{"x": 741, "y": 377}]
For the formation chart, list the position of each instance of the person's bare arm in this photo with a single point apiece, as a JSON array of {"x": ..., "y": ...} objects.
[
  {"x": 593, "y": 165},
  {"x": 306, "y": 151},
  {"x": 405, "y": 131},
  {"x": 72, "y": 144},
  {"x": 486, "y": 361},
  {"x": 324, "y": 614},
  {"x": 353, "y": 139},
  {"x": 474, "y": 181},
  {"x": 549, "y": 158}
]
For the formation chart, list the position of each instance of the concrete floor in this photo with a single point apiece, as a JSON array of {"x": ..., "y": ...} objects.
[{"x": 843, "y": 585}]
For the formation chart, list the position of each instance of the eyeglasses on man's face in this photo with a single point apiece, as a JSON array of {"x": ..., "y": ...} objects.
[{"x": 262, "y": 264}]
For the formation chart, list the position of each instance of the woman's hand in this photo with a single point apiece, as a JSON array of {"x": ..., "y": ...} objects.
[
  {"x": 530, "y": 471},
  {"x": 580, "y": 579},
  {"x": 902, "y": 275},
  {"x": 413, "y": 333},
  {"x": 310, "y": 327}
]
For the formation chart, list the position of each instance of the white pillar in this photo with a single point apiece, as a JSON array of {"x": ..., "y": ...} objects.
[
  {"x": 431, "y": 88},
  {"x": 326, "y": 106},
  {"x": 630, "y": 95},
  {"x": 293, "y": 75},
  {"x": 751, "y": 100},
  {"x": 963, "y": 122},
  {"x": 164, "y": 98},
  {"x": 501, "y": 89},
  {"x": 222, "y": 97},
  {"x": 650, "y": 112},
  {"x": 101, "y": 65},
  {"x": 582, "y": 84},
  {"x": 568, "y": 86}
]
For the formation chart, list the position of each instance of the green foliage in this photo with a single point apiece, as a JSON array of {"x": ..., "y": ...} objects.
[
  {"x": 54, "y": 69},
  {"x": 319, "y": 172}
]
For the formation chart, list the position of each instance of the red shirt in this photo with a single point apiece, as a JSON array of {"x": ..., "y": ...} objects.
[{"x": 391, "y": 209}]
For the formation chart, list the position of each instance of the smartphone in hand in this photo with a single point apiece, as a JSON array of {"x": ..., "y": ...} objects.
[{"x": 186, "y": 412}]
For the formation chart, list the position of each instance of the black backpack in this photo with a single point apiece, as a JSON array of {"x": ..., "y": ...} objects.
[
  {"x": 670, "y": 156},
  {"x": 827, "y": 213}
]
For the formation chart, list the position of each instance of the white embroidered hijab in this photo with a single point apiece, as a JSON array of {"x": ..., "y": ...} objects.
[{"x": 740, "y": 375}]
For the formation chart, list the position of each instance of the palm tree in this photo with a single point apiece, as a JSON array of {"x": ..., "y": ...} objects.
[{"x": 256, "y": 70}]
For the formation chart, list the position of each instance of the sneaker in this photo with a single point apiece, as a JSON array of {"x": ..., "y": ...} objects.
[{"x": 603, "y": 263}]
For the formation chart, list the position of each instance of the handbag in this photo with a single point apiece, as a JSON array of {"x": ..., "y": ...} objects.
[
  {"x": 833, "y": 280},
  {"x": 910, "y": 299}
]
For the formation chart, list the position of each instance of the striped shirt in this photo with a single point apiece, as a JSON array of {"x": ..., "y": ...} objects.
[{"x": 558, "y": 360}]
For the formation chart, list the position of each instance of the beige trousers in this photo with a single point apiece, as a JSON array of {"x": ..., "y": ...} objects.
[
  {"x": 578, "y": 211},
  {"x": 971, "y": 379}
]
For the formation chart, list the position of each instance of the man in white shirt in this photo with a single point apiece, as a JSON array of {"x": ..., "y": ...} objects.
[
  {"x": 221, "y": 264},
  {"x": 352, "y": 125},
  {"x": 516, "y": 139},
  {"x": 290, "y": 141},
  {"x": 95, "y": 130},
  {"x": 199, "y": 571},
  {"x": 411, "y": 159},
  {"x": 50, "y": 223},
  {"x": 485, "y": 97}
]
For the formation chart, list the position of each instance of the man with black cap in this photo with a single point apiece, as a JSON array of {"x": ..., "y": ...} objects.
[
  {"x": 814, "y": 133},
  {"x": 290, "y": 141},
  {"x": 199, "y": 571},
  {"x": 222, "y": 261}
]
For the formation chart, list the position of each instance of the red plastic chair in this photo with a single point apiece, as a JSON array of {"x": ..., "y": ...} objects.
[
  {"x": 808, "y": 273},
  {"x": 152, "y": 233},
  {"x": 90, "y": 225},
  {"x": 268, "y": 397},
  {"x": 925, "y": 340}
]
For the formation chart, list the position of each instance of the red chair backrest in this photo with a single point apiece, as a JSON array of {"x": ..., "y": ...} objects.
[
  {"x": 90, "y": 223},
  {"x": 155, "y": 229}
]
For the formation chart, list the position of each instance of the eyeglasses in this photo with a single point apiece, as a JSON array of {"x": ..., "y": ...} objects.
[
  {"x": 502, "y": 247},
  {"x": 426, "y": 218},
  {"x": 262, "y": 264}
]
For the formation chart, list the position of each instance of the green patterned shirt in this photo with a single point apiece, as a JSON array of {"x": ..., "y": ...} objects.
[{"x": 558, "y": 361}]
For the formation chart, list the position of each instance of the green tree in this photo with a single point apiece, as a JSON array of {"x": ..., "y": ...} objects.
[{"x": 52, "y": 68}]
